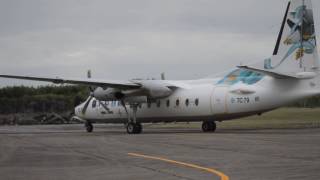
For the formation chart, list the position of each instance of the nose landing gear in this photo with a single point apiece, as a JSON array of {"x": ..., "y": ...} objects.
[
  {"x": 209, "y": 126},
  {"x": 89, "y": 127}
]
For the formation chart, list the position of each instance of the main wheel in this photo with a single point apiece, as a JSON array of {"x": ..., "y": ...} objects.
[
  {"x": 213, "y": 126},
  {"x": 209, "y": 126},
  {"x": 205, "y": 126},
  {"x": 130, "y": 128},
  {"x": 138, "y": 128},
  {"x": 89, "y": 126},
  {"x": 134, "y": 128}
]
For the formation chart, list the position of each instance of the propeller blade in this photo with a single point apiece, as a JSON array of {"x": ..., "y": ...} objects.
[
  {"x": 89, "y": 74},
  {"x": 91, "y": 88},
  {"x": 86, "y": 105}
]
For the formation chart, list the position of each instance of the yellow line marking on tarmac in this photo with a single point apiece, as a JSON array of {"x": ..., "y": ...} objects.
[{"x": 210, "y": 170}]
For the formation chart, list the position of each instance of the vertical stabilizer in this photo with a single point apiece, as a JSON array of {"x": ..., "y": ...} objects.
[{"x": 296, "y": 46}]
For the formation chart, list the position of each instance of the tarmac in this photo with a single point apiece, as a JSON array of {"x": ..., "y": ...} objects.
[{"x": 68, "y": 152}]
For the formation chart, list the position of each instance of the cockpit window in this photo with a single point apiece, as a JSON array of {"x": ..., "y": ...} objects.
[{"x": 241, "y": 75}]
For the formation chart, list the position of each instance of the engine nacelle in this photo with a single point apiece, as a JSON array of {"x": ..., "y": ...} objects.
[
  {"x": 109, "y": 94},
  {"x": 156, "y": 90},
  {"x": 151, "y": 89}
]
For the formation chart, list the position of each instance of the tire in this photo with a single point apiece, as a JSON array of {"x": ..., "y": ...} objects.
[
  {"x": 205, "y": 127},
  {"x": 209, "y": 126},
  {"x": 89, "y": 127},
  {"x": 213, "y": 126},
  {"x": 134, "y": 128},
  {"x": 138, "y": 127},
  {"x": 131, "y": 128}
]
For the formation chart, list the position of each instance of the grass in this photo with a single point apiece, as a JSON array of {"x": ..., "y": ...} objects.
[{"x": 284, "y": 118}]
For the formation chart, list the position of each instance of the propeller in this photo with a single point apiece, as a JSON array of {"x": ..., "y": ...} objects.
[
  {"x": 87, "y": 104},
  {"x": 89, "y": 77},
  {"x": 91, "y": 89},
  {"x": 91, "y": 96}
]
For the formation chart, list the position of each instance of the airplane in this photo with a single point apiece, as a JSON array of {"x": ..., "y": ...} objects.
[{"x": 291, "y": 74}]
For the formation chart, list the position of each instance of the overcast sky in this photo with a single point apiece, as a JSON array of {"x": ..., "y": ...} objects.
[{"x": 124, "y": 39}]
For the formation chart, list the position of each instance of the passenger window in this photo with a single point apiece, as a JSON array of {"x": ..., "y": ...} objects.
[
  {"x": 158, "y": 103},
  {"x": 187, "y": 102},
  {"x": 168, "y": 103},
  {"x": 94, "y": 103},
  {"x": 177, "y": 102},
  {"x": 196, "y": 102}
]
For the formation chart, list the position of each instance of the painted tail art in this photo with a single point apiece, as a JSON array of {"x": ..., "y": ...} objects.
[{"x": 295, "y": 50}]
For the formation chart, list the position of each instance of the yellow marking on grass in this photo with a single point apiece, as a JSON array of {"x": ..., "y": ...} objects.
[{"x": 210, "y": 170}]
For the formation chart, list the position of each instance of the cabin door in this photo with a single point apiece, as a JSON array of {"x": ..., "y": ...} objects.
[{"x": 219, "y": 100}]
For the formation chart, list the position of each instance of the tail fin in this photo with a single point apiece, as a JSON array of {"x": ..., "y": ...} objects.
[{"x": 296, "y": 47}]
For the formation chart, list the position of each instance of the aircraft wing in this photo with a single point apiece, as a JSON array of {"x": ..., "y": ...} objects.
[{"x": 92, "y": 82}]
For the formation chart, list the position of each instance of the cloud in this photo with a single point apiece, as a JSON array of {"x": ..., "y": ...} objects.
[{"x": 129, "y": 39}]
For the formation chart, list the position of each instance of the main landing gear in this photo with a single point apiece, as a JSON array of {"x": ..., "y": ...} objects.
[
  {"x": 133, "y": 127},
  {"x": 209, "y": 126}
]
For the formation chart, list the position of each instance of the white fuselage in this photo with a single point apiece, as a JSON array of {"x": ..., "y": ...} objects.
[{"x": 206, "y": 99}]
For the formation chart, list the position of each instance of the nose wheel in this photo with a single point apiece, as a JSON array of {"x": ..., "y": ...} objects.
[
  {"x": 209, "y": 126},
  {"x": 89, "y": 127},
  {"x": 134, "y": 128}
]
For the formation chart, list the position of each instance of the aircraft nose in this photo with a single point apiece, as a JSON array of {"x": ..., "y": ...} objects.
[{"x": 77, "y": 110}]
